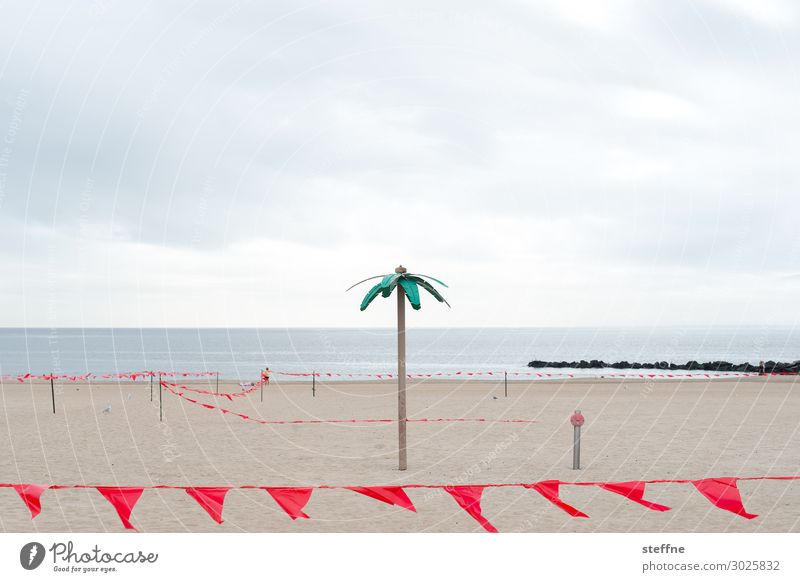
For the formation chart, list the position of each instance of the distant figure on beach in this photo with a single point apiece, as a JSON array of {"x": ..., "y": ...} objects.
[
  {"x": 265, "y": 376},
  {"x": 761, "y": 368}
]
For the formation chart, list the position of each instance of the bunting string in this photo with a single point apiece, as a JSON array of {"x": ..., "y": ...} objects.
[
  {"x": 173, "y": 389},
  {"x": 133, "y": 376},
  {"x": 501, "y": 374},
  {"x": 228, "y": 395},
  {"x": 721, "y": 492}
]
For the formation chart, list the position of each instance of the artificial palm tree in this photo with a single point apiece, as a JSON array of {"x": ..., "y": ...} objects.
[{"x": 407, "y": 284}]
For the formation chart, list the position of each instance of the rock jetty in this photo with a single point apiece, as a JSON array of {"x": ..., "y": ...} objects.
[{"x": 715, "y": 366}]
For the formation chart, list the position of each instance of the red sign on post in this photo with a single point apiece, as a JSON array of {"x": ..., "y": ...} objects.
[{"x": 577, "y": 419}]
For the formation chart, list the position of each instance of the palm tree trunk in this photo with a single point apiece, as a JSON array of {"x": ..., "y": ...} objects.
[{"x": 401, "y": 378}]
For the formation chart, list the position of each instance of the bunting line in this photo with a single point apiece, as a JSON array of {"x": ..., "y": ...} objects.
[
  {"x": 22, "y": 378},
  {"x": 722, "y": 492},
  {"x": 170, "y": 388},
  {"x": 501, "y": 374},
  {"x": 228, "y": 395}
]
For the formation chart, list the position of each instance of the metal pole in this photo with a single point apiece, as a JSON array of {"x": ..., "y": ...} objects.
[
  {"x": 217, "y": 382},
  {"x": 576, "y": 448},
  {"x": 52, "y": 392},
  {"x": 160, "y": 401},
  {"x": 401, "y": 377},
  {"x": 151, "y": 387},
  {"x": 313, "y": 384},
  {"x": 505, "y": 381},
  {"x": 262, "y": 386}
]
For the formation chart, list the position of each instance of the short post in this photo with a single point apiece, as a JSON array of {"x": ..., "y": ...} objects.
[
  {"x": 577, "y": 421},
  {"x": 52, "y": 392},
  {"x": 263, "y": 379},
  {"x": 217, "y": 382},
  {"x": 151, "y": 386},
  {"x": 160, "y": 401},
  {"x": 505, "y": 382},
  {"x": 313, "y": 384}
]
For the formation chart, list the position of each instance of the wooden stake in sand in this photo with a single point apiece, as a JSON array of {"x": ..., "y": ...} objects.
[
  {"x": 313, "y": 384},
  {"x": 505, "y": 382},
  {"x": 217, "y": 382},
  {"x": 160, "y": 401},
  {"x": 52, "y": 392},
  {"x": 577, "y": 421},
  {"x": 407, "y": 285}
]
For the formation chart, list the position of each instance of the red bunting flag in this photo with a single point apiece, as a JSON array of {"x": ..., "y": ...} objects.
[
  {"x": 211, "y": 499},
  {"x": 549, "y": 490},
  {"x": 291, "y": 499},
  {"x": 469, "y": 498},
  {"x": 123, "y": 499},
  {"x": 633, "y": 490},
  {"x": 30, "y": 494},
  {"x": 723, "y": 493},
  {"x": 390, "y": 495}
]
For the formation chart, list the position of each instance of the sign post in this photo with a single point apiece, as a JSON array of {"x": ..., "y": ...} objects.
[
  {"x": 53, "y": 392},
  {"x": 577, "y": 421}
]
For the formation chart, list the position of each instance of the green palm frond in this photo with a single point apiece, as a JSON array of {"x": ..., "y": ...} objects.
[
  {"x": 363, "y": 281},
  {"x": 371, "y": 294},
  {"x": 429, "y": 288},
  {"x": 388, "y": 283},
  {"x": 410, "y": 284},
  {"x": 412, "y": 291},
  {"x": 442, "y": 283}
]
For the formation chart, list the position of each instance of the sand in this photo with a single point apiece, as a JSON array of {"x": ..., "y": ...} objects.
[{"x": 634, "y": 430}]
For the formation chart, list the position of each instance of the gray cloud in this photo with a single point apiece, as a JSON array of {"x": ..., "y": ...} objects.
[{"x": 650, "y": 137}]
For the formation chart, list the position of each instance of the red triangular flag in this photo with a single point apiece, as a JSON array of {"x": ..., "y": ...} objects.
[
  {"x": 469, "y": 498},
  {"x": 633, "y": 490},
  {"x": 211, "y": 499},
  {"x": 30, "y": 494},
  {"x": 723, "y": 493},
  {"x": 291, "y": 499},
  {"x": 390, "y": 495},
  {"x": 123, "y": 499},
  {"x": 549, "y": 490}
]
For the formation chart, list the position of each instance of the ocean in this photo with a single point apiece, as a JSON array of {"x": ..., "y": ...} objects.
[{"x": 241, "y": 353}]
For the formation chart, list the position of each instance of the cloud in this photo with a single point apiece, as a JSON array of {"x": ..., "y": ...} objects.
[
  {"x": 776, "y": 13},
  {"x": 555, "y": 142}
]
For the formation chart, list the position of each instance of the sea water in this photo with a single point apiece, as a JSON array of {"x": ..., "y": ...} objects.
[{"x": 241, "y": 353}]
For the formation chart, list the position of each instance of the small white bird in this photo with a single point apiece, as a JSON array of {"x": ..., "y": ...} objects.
[{"x": 107, "y": 409}]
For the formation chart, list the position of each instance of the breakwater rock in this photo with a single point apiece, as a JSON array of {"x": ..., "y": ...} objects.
[{"x": 715, "y": 366}]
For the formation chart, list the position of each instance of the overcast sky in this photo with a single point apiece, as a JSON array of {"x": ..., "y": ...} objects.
[{"x": 557, "y": 163}]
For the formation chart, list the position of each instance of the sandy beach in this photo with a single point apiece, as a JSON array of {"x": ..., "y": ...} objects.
[{"x": 635, "y": 430}]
